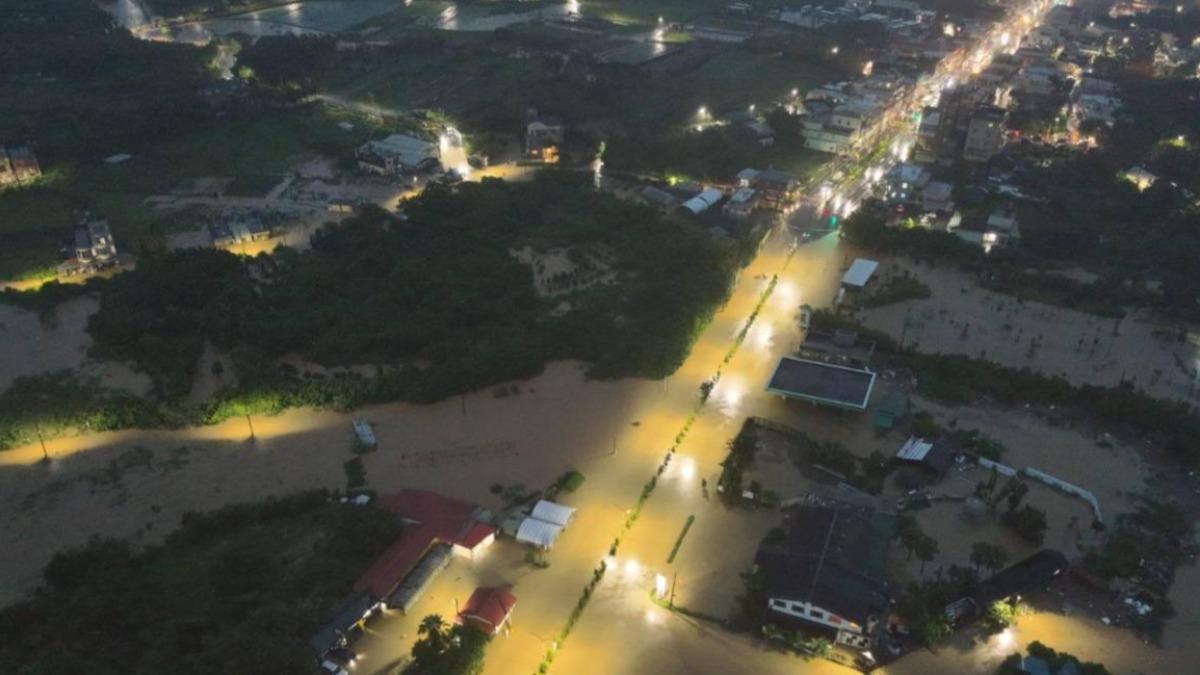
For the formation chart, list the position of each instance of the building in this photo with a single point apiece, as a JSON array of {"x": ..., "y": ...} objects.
[
  {"x": 904, "y": 182},
  {"x": 543, "y": 137},
  {"x": 340, "y": 626},
  {"x": 398, "y": 154},
  {"x": 488, "y": 609},
  {"x": 937, "y": 197},
  {"x": 741, "y": 203},
  {"x": 91, "y": 248},
  {"x": 437, "y": 528},
  {"x": 776, "y": 189},
  {"x": 234, "y": 232},
  {"x": 1000, "y": 229},
  {"x": 838, "y": 386},
  {"x": 1140, "y": 177},
  {"x": 932, "y": 457},
  {"x": 827, "y": 573},
  {"x": 18, "y": 166},
  {"x": 543, "y": 526},
  {"x": 859, "y": 275},
  {"x": 1030, "y": 574},
  {"x": 985, "y": 133},
  {"x": 702, "y": 202}
]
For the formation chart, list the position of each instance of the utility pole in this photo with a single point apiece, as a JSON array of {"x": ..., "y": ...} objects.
[
  {"x": 251, "y": 425},
  {"x": 671, "y": 600},
  {"x": 45, "y": 455}
]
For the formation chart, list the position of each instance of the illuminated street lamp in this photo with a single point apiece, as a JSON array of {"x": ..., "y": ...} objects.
[
  {"x": 835, "y": 50},
  {"x": 660, "y": 586}
]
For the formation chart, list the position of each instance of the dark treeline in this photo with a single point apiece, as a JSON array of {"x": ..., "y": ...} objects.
[{"x": 240, "y": 590}]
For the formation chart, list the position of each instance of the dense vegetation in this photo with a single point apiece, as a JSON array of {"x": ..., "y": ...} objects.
[
  {"x": 52, "y": 404},
  {"x": 435, "y": 300},
  {"x": 442, "y": 649},
  {"x": 240, "y": 590},
  {"x": 1055, "y": 660}
]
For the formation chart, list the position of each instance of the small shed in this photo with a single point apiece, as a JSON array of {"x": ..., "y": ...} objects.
[
  {"x": 488, "y": 609},
  {"x": 553, "y": 513},
  {"x": 859, "y": 274},
  {"x": 935, "y": 457},
  {"x": 538, "y": 533}
]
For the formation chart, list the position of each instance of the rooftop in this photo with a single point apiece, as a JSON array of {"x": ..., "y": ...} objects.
[
  {"x": 833, "y": 555},
  {"x": 825, "y": 383}
]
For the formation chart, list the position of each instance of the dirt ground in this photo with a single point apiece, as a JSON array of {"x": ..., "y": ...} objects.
[
  {"x": 962, "y": 318},
  {"x": 29, "y": 346}
]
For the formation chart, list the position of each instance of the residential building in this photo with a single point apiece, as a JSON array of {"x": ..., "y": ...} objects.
[
  {"x": 488, "y": 609},
  {"x": 1000, "y": 229},
  {"x": 776, "y": 189},
  {"x": 18, "y": 166},
  {"x": 827, "y": 573},
  {"x": 741, "y": 203},
  {"x": 936, "y": 197},
  {"x": 933, "y": 457},
  {"x": 398, "y": 154},
  {"x": 904, "y": 182},
  {"x": 91, "y": 248},
  {"x": 543, "y": 137},
  {"x": 985, "y": 133}
]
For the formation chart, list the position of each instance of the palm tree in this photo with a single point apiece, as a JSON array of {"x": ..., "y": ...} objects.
[{"x": 432, "y": 631}]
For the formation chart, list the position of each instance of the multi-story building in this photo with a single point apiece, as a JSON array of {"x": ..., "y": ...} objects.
[
  {"x": 91, "y": 248},
  {"x": 985, "y": 133}
]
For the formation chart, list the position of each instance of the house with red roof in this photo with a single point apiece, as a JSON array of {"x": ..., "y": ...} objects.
[
  {"x": 436, "y": 528},
  {"x": 488, "y": 609}
]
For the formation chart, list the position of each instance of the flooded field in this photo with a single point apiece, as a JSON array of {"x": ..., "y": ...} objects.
[
  {"x": 963, "y": 318},
  {"x": 31, "y": 344}
]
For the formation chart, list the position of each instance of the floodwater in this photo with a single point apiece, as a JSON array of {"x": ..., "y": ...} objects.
[
  {"x": 473, "y": 18},
  {"x": 314, "y": 17}
]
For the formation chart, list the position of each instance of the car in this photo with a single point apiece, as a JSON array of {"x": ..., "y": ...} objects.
[{"x": 332, "y": 668}]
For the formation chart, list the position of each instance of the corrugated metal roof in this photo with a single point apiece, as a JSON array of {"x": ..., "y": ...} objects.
[
  {"x": 538, "y": 532},
  {"x": 915, "y": 449},
  {"x": 860, "y": 272},
  {"x": 552, "y": 513}
]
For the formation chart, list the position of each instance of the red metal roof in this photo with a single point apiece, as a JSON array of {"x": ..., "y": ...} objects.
[
  {"x": 432, "y": 518},
  {"x": 488, "y": 606}
]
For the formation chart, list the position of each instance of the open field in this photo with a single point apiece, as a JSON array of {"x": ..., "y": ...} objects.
[{"x": 963, "y": 318}]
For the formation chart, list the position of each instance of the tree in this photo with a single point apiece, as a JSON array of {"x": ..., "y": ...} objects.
[
  {"x": 1028, "y": 522},
  {"x": 926, "y": 548},
  {"x": 1000, "y": 615},
  {"x": 432, "y": 639},
  {"x": 987, "y": 556}
]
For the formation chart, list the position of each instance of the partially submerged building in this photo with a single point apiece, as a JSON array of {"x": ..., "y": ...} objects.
[
  {"x": 933, "y": 457},
  {"x": 488, "y": 609},
  {"x": 1030, "y": 574},
  {"x": 828, "y": 572},
  {"x": 436, "y": 529},
  {"x": 838, "y": 386}
]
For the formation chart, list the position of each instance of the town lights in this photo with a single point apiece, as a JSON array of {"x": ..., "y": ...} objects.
[
  {"x": 702, "y": 112},
  {"x": 795, "y": 93},
  {"x": 835, "y": 50}
]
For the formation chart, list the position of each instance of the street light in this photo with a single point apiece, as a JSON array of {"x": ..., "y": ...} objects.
[{"x": 660, "y": 586}]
